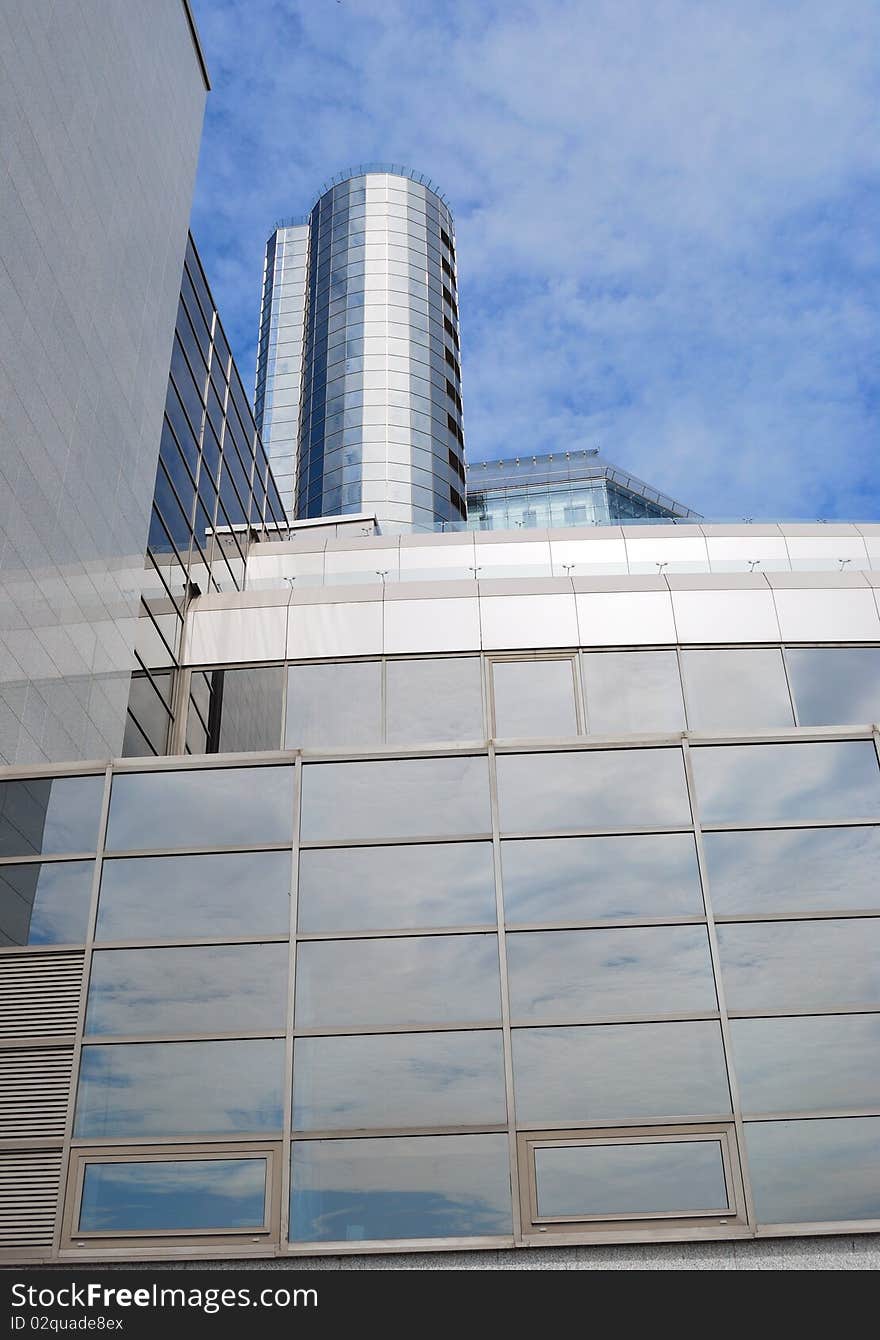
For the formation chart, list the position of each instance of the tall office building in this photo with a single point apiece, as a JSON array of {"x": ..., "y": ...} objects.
[
  {"x": 101, "y": 107},
  {"x": 358, "y": 390}
]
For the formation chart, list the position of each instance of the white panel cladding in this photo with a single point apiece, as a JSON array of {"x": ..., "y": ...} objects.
[
  {"x": 747, "y": 553},
  {"x": 514, "y": 559},
  {"x": 274, "y": 569},
  {"x": 827, "y": 553},
  {"x": 361, "y": 565},
  {"x": 655, "y": 553},
  {"x": 583, "y": 557},
  {"x": 725, "y": 616},
  {"x": 842, "y": 613},
  {"x": 246, "y": 633},
  {"x": 347, "y": 629},
  {"x": 431, "y": 625},
  {"x": 510, "y": 622},
  {"x": 419, "y": 562},
  {"x": 625, "y": 618}
]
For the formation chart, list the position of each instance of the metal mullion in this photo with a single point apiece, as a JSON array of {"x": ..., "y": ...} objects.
[
  {"x": 134, "y": 1142},
  {"x": 417, "y": 840},
  {"x": 127, "y": 854},
  {"x": 124, "y": 1039},
  {"x": 600, "y": 1127},
  {"x": 619, "y": 923},
  {"x": 846, "y": 914},
  {"x": 506, "y": 1036},
  {"x": 828, "y": 1114},
  {"x": 38, "y": 859},
  {"x": 595, "y": 1020},
  {"x": 758, "y": 826},
  {"x": 193, "y": 942},
  {"x": 783, "y": 650},
  {"x": 394, "y": 933},
  {"x": 287, "y": 1126},
  {"x": 814, "y": 1012},
  {"x": 787, "y": 735},
  {"x": 258, "y": 759},
  {"x": 391, "y": 1132},
  {"x": 591, "y": 743},
  {"x": 81, "y": 1012},
  {"x": 715, "y": 954},
  {"x": 457, "y": 1026}
]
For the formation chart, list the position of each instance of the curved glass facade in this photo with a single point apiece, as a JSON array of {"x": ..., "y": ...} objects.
[{"x": 380, "y": 427}]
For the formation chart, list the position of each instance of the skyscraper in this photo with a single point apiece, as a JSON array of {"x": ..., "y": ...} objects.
[{"x": 370, "y": 419}]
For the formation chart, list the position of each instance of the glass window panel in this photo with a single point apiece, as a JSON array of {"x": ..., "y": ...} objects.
[
  {"x": 630, "y": 1179},
  {"x": 434, "y": 700},
  {"x": 414, "y": 797},
  {"x": 809, "y": 1064},
  {"x": 222, "y": 807},
  {"x": 398, "y": 1079},
  {"x": 597, "y": 788},
  {"x": 793, "y": 870},
  {"x": 534, "y": 699},
  {"x": 187, "y": 989},
  {"x": 250, "y": 709},
  {"x": 334, "y": 706},
  {"x": 562, "y": 975},
  {"x": 835, "y": 686},
  {"x": 408, "y": 980},
  {"x": 181, "y": 897},
  {"x": 737, "y": 690},
  {"x": 836, "y": 779},
  {"x": 801, "y": 965},
  {"x": 45, "y": 904},
  {"x": 632, "y": 692},
  {"x": 173, "y": 1195},
  {"x": 180, "y": 1088},
  {"x": 815, "y": 1171},
  {"x": 601, "y": 878},
  {"x": 392, "y": 888},
  {"x": 403, "y": 1187},
  {"x": 611, "y": 1072},
  {"x": 50, "y": 815}
]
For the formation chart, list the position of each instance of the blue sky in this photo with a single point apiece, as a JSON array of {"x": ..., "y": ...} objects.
[{"x": 666, "y": 213}]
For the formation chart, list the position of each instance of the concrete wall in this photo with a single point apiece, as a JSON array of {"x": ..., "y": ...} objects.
[{"x": 101, "y": 110}]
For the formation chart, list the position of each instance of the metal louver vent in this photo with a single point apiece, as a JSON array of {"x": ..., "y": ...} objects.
[
  {"x": 39, "y": 994},
  {"x": 34, "y": 1089},
  {"x": 29, "y": 1186}
]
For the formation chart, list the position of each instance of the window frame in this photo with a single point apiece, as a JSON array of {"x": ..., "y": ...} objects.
[
  {"x": 268, "y": 1233},
  {"x": 512, "y": 658},
  {"x": 536, "y": 1227}
]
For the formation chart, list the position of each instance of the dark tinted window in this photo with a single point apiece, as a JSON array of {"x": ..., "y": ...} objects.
[
  {"x": 50, "y": 814},
  {"x": 45, "y": 904}
]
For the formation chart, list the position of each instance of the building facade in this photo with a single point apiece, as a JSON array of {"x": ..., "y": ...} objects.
[
  {"x": 570, "y": 488},
  {"x": 530, "y": 908},
  {"x": 102, "y": 112},
  {"x": 377, "y": 397}
]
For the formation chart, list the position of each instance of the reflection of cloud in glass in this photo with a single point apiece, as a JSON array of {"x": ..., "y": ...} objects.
[
  {"x": 177, "y": 1194},
  {"x": 612, "y": 1071},
  {"x": 615, "y": 972},
  {"x": 417, "y": 1079},
  {"x": 406, "y": 980},
  {"x": 385, "y": 888},
  {"x": 597, "y": 788},
  {"x": 180, "y": 1088},
  {"x": 631, "y": 1179},
  {"x": 50, "y": 814},
  {"x": 586, "y": 879},
  {"x": 809, "y": 1064},
  {"x": 413, "y": 797},
  {"x": 835, "y": 779},
  {"x": 400, "y": 1187},
  {"x": 192, "y": 989},
  {"x": 215, "y": 807},
  {"x": 791, "y": 870},
  {"x": 815, "y": 1171},
  {"x": 45, "y": 904},
  {"x": 801, "y": 965},
  {"x": 835, "y": 686},
  {"x": 236, "y": 893}
]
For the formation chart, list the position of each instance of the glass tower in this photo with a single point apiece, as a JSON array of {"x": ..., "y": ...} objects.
[{"x": 378, "y": 393}]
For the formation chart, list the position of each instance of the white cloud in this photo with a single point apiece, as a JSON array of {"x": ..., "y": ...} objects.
[{"x": 666, "y": 216}]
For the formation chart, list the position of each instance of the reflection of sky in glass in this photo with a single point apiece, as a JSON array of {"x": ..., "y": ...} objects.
[
  {"x": 740, "y": 688},
  {"x": 829, "y": 1062},
  {"x": 534, "y": 698},
  {"x": 835, "y": 686},
  {"x": 400, "y": 1187},
  {"x": 630, "y": 1179},
  {"x": 801, "y": 965},
  {"x": 239, "y": 893},
  {"x": 616, "y": 972},
  {"x": 414, "y": 797},
  {"x": 598, "y": 788},
  {"x": 180, "y": 1088},
  {"x": 390, "y": 888},
  {"x": 416, "y": 1079},
  {"x": 630, "y": 691},
  {"x": 793, "y": 870},
  {"x": 815, "y": 1171},
  {"x": 589, "y": 879},
  {"x": 434, "y": 700},
  {"x": 45, "y": 904},
  {"x": 214, "y": 807},
  {"x": 836, "y": 779},
  {"x": 613, "y": 1071},
  {"x": 191, "y": 989},
  {"x": 406, "y": 980},
  {"x": 178, "y": 1194},
  {"x": 52, "y": 815}
]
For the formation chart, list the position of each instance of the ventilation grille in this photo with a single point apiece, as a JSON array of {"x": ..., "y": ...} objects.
[
  {"x": 34, "y": 1089},
  {"x": 29, "y": 1186},
  {"x": 39, "y": 995}
]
